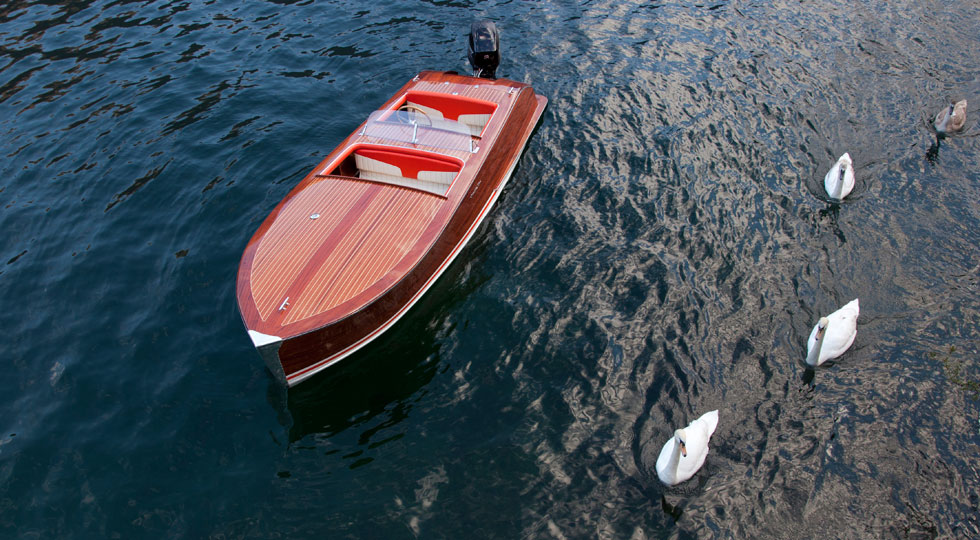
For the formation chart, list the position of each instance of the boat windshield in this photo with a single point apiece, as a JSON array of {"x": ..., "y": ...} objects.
[{"x": 415, "y": 126}]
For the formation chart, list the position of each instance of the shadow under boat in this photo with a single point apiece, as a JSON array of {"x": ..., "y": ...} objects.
[{"x": 381, "y": 380}]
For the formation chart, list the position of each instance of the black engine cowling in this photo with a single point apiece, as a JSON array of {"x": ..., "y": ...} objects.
[{"x": 484, "y": 49}]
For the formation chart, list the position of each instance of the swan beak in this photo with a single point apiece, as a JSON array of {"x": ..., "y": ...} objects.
[
  {"x": 822, "y": 327},
  {"x": 683, "y": 449}
]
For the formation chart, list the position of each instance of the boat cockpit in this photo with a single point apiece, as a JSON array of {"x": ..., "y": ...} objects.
[{"x": 430, "y": 122}]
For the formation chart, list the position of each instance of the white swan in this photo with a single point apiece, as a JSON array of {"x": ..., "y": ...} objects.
[
  {"x": 951, "y": 118},
  {"x": 833, "y": 334},
  {"x": 685, "y": 452},
  {"x": 839, "y": 181}
]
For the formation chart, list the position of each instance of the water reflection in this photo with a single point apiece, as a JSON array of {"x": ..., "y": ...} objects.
[
  {"x": 808, "y": 375},
  {"x": 832, "y": 211},
  {"x": 673, "y": 511},
  {"x": 372, "y": 389},
  {"x": 652, "y": 256},
  {"x": 932, "y": 154},
  {"x": 277, "y": 396}
]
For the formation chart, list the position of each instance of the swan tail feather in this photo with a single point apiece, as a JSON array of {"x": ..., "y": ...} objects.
[{"x": 710, "y": 420}]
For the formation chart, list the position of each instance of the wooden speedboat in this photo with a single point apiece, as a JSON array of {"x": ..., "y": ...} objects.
[{"x": 359, "y": 240}]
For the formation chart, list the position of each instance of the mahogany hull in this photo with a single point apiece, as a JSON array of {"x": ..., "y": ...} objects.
[{"x": 358, "y": 242}]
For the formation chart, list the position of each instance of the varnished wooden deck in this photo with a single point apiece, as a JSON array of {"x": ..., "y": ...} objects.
[{"x": 363, "y": 230}]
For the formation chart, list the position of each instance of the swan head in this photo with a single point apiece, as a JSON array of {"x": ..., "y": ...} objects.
[
  {"x": 679, "y": 436},
  {"x": 822, "y": 325},
  {"x": 846, "y": 165}
]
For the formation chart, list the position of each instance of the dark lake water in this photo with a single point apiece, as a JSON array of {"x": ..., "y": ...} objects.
[{"x": 663, "y": 249}]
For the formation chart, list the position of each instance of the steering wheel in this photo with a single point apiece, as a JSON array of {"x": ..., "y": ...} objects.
[{"x": 414, "y": 115}]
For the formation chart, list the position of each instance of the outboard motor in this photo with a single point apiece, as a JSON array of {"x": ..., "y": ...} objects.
[{"x": 484, "y": 49}]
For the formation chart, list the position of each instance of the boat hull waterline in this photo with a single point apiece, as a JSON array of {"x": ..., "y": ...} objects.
[{"x": 366, "y": 233}]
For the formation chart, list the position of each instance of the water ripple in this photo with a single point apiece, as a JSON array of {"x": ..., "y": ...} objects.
[{"x": 663, "y": 249}]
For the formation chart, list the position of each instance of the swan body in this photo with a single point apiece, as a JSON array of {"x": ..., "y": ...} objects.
[
  {"x": 833, "y": 334},
  {"x": 686, "y": 450},
  {"x": 951, "y": 118},
  {"x": 839, "y": 181}
]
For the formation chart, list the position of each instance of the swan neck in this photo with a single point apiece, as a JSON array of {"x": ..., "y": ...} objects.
[
  {"x": 839, "y": 183},
  {"x": 675, "y": 458},
  {"x": 944, "y": 121},
  {"x": 813, "y": 357}
]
